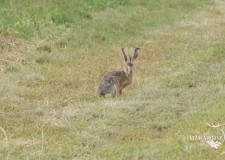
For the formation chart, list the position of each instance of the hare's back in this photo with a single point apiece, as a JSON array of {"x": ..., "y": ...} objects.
[{"x": 114, "y": 77}]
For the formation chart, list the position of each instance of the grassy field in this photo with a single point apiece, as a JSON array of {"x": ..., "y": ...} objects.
[{"x": 54, "y": 53}]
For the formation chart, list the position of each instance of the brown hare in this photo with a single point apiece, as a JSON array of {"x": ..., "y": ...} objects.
[{"x": 114, "y": 82}]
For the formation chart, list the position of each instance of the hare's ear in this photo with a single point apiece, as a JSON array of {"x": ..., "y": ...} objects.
[
  {"x": 124, "y": 55},
  {"x": 136, "y": 53}
]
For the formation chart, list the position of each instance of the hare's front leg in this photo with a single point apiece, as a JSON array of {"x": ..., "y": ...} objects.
[{"x": 120, "y": 92}]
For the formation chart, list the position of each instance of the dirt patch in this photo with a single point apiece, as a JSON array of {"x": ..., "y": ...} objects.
[{"x": 14, "y": 49}]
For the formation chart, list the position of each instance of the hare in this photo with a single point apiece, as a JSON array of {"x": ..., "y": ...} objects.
[{"x": 114, "y": 82}]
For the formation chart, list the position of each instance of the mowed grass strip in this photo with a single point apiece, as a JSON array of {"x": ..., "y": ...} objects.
[{"x": 50, "y": 109}]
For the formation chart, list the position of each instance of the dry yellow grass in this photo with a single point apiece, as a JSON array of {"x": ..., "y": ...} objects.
[{"x": 49, "y": 108}]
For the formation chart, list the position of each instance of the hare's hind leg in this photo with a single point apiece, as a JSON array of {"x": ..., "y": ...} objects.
[
  {"x": 114, "y": 91},
  {"x": 102, "y": 95},
  {"x": 101, "y": 92}
]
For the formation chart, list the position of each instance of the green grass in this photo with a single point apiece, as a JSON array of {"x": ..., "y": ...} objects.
[{"x": 54, "y": 53}]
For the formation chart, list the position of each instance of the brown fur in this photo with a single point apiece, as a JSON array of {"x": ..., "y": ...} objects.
[{"x": 114, "y": 82}]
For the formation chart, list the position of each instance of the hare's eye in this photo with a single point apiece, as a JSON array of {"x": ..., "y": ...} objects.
[{"x": 130, "y": 64}]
